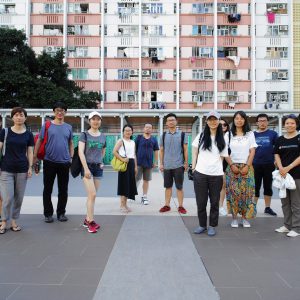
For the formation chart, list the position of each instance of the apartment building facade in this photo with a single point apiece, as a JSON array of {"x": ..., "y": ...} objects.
[{"x": 186, "y": 54}]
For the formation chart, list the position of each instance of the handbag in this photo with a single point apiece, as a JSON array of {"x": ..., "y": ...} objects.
[
  {"x": 76, "y": 165},
  {"x": 190, "y": 170},
  {"x": 42, "y": 150},
  {"x": 119, "y": 165}
]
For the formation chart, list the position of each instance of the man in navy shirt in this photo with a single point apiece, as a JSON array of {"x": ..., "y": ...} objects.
[
  {"x": 145, "y": 146},
  {"x": 263, "y": 162}
]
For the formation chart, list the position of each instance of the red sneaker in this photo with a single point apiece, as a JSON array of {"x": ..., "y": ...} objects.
[
  {"x": 91, "y": 228},
  {"x": 181, "y": 210},
  {"x": 86, "y": 224},
  {"x": 97, "y": 226},
  {"x": 165, "y": 209}
]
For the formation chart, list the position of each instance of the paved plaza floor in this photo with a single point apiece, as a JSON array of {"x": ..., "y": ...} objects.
[{"x": 144, "y": 255}]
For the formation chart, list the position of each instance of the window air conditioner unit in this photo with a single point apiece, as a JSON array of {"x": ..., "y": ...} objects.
[
  {"x": 230, "y": 94},
  {"x": 208, "y": 73},
  {"x": 71, "y": 48},
  {"x": 283, "y": 97},
  {"x": 50, "y": 49},
  {"x": 144, "y": 54},
  {"x": 133, "y": 72},
  {"x": 146, "y": 73},
  {"x": 282, "y": 75},
  {"x": 283, "y": 27}
]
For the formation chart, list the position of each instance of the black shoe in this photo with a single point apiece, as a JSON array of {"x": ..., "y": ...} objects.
[
  {"x": 270, "y": 211},
  {"x": 62, "y": 218},
  {"x": 49, "y": 219}
]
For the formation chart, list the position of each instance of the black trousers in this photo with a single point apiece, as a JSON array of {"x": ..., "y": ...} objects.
[
  {"x": 263, "y": 173},
  {"x": 51, "y": 170},
  {"x": 207, "y": 186}
]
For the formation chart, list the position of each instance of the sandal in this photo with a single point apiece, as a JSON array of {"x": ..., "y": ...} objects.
[
  {"x": 16, "y": 228},
  {"x": 124, "y": 210},
  {"x": 2, "y": 230}
]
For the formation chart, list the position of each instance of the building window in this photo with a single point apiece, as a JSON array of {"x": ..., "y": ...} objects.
[
  {"x": 207, "y": 52},
  {"x": 78, "y": 8},
  {"x": 202, "y": 96},
  {"x": 53, "y": 8},
  {"x": 277, "y": 52},
  {"x": 277, "y": 97},
  {"x": 224, "y": 30},
  {"x": 152, "y": 8},
  {"x": 277, "y": 75},
  {"x": 203, "y": 30},
  {"x": 201, "y": 74},
  {"x": 79, "y": 74},
  {"x": 200, "y": 8},
  {"x": 278, "y": 30}
]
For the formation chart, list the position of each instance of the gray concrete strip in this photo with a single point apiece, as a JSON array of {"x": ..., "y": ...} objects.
[{"x": 155, "y": 258}]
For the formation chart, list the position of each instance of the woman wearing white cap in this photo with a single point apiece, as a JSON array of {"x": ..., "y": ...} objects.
[
  {"x": 209, "y": 148},
  {"x": 91, "y": 150}
]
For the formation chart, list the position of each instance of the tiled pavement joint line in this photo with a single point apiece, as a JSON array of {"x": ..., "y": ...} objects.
[
  {"x": 40, "y": 265},
  {"x": 259, "y": 295},
  {"x": 254, "y": 252},
  {"x": 14, "y": 291},
  {"x": 285, "y": 282},
  {"x": 64, "y": 278},
  {"x": 236, "y": 264},
  {"x": 148, "y": 248}
]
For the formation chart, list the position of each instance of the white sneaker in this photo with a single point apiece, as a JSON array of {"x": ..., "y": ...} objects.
[
  {"x": 222, "y": 211},
  {"x": 246, "y": 223},
  {"x": 282, "y": 229},
  {"x": 144, "y": 200},
  {"x": 292, "y": 233},
  {"x": 234, "y": 223}
]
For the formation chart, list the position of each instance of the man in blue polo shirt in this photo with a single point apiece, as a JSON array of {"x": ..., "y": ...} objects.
[
  {"x": 263, "y": 162},
  {"x": 145, "y": 146},
  {"x": 58, "y": 154}
]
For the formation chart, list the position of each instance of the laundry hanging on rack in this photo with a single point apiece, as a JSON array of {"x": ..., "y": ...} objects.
[
  {"x": 271, "y": 17},
  {"x": 232, "y": 18},
  {"x": 235, "y": 59}
]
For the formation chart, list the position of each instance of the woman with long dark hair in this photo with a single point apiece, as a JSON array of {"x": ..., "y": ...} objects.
[
  {"x": 209, "y": 148},
  {"x": 239, "y": 173},
  {"x": 125, "y": 151},
  {"x": 222, "y": 210}
]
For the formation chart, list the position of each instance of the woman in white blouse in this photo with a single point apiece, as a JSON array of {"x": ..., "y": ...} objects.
[
  {"x": 239, "y": 173},
  {"x": 125, "y": 151}
]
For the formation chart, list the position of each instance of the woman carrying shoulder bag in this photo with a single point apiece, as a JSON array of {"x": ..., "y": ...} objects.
[
  {"x": 124, "y": 150},
  {"x": 209, "y": 149}
]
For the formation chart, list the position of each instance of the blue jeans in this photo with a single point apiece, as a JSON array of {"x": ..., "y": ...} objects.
[{"x": 95, "y": 169}]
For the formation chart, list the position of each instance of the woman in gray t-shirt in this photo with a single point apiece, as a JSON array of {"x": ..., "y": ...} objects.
[{"x": 91, "y": 150}]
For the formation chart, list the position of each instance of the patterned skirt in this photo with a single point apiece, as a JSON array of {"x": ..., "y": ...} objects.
[{"x": 240, "y": 192}]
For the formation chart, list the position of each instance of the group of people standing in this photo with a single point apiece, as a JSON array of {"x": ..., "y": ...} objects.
[{"x": 228, "y": 162}]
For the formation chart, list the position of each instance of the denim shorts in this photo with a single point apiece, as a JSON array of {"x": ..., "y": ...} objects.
[{"x": 95, "y": 169}]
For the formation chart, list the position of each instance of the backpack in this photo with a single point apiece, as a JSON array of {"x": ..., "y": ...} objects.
[
  {"x": 2, "y": 153},
  {"x": 42, "y": 150},
  {"x": 76, "y": 164}
]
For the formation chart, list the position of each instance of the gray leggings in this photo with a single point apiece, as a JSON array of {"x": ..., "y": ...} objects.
[{"x": 12, "y": 186}]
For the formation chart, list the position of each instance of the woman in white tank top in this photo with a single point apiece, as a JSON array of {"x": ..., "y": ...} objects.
[{"x": 125, "y": 151}]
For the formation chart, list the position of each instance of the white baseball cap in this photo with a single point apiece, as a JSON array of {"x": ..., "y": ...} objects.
[
  {"x": 213, "y": 114},
  {"x": 93, "y": 114}
]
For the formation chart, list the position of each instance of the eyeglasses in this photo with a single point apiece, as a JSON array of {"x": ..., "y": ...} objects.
[
  {"x": 224, "y": 125},
  {"x": 262, "y": 121}
]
